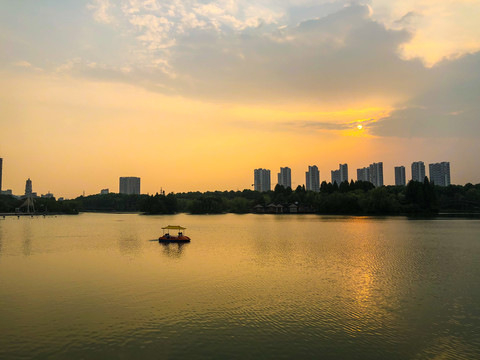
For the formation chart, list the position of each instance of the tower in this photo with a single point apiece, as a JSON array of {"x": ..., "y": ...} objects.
[
  {"x": 28, "y": 187},
  {"x": 399, "y": 175},
  {"x": 418, "y": 171},
  {"x": 440, "y": 173},
  {"x": 285, "y": 177},
  {"x": 130, "y": 185},
  {"x": 312, "y": 179},
  {"x": 261, "y": 179}
]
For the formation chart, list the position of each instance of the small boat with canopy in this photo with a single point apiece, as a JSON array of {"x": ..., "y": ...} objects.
[{"x": 179, "y": 238}]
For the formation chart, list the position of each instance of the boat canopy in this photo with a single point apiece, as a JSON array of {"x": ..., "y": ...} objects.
[{"x": 173, "y": 227}]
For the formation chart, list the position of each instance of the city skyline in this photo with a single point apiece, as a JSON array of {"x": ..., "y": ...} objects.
[
  {"x": 442, "y": 176},
  {"x": 173, "y": 91}
]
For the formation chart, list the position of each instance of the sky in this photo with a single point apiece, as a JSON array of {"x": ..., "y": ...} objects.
[{"x": 194, "y": 95}]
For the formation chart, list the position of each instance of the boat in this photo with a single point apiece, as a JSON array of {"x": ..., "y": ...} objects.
[{"x": 167, "y": 238}]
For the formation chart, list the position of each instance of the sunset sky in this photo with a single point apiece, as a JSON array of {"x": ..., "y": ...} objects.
[{"x": 193, "y": 95}]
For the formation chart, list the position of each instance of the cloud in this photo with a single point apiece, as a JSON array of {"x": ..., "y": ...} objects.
[
  {"x": 220, "y": 51},
  {"x": 27, "y": 66},
  {"x": 449, "y": 106},
  {"x": 100, "y": 10},
  {"x": 22, "y": 63}
]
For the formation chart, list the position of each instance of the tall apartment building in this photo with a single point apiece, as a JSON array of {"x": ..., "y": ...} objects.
[
  {"x": 373, "y": 174},
  {"x": 261, "y": 180},
  {"x": 312, "y": 179},
  {"x": 285, "y": 177},
  {"x": 363, "y": 174},
  {"x": 1, "y": 167},
  {"x": 400, "y": 178},
  {"x": 376, "y": 174},
  {"x": 418, "y": 171},
  {"x": 440, "y": 173},
  {"x": 340, "y": 175},
  {"x": 130, "y": 185}
]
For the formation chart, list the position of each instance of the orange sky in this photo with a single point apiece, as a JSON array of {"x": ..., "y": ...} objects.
[{"x": 77, "y": 125}]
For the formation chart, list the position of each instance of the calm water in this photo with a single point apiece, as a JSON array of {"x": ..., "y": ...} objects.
[{"x": 94, "y": 286}]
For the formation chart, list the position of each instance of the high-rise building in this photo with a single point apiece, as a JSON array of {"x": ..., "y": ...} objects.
[
  {"x": 418, "y": 171},
  {"x": 363, "y": 174},
  {"x": 28, "y": 187},
  {"x": 440, "y": 173},
  {"x": 261, "y": 179},
  {"x": 335, "y": 174},
  {"x": 285, "y": 177},
  {"x": 373, "y": 173},
  {"x": 341, "y": 174},
  {"x": 400, "y": 175},
  {"x": 312, "y": 179},
  {"x": 130, "y": 185},
  {"x": 343, "y": 168},
  {"x": 376, "y": 174},
  {"x": 1, "y": 166}
]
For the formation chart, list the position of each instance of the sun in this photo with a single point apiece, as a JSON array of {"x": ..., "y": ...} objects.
[{"x": 359, "y": 127}]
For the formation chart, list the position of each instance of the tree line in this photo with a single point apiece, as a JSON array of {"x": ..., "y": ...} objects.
[{"x": 357, "y": 197}]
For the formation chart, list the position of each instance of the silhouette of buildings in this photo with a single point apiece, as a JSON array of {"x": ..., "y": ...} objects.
[
  {"x": 285, "y": 177},
  {"x": 261, "y": 180},
  {"x": 130, "y": 185},
  {"x": 376, "y": 173},
  {"x": 312, "y": 179},
  {"x": 373, "y": 173},
  {"x": 340, "y": 175},
  {"x": 440, "y": 173},
  {"x": 363, "y": 174},
  {"x": 104, "y": 191},
  {"x": 28, "y": 187},
  {"x": 418, "y": 171},
  {"x": 400, "y": 178}
]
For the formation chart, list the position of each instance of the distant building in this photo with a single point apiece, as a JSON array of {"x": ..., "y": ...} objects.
[
  {"x": 130, "y": 185},
  {"x": 1, "y": 167},
  {"x": 7, "y": 192},
  {"x": 376, "y": 174},
  {"x": 373, "y": 173},
  {"x": 363, "y": 174},
  {"x": 335, "y": 175},
  {"x": 400, "y": 176},
  {"x": 340, "y": 175},
  {"x": 28, "y": 187},
  {"x": 418, "y": 171},
  {"x": 104, "y": 191},
  {"x": 312, "y": 179},
  {"x": 261, "y": 179},
  {"x": 285, "y": 177},
  {"x": 48, "y": 195},
  {"x": 440, "y": 173}
]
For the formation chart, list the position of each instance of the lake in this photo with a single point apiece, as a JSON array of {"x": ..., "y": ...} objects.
[{"x": 95, "y": 286}]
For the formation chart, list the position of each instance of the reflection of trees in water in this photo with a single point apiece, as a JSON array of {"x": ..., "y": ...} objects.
[
  {"x": 27, "y": 236},
  {"x": 173, "y": 250},
  {"x": 1, "y": 236},
  {"x": 128, "y": 241}
]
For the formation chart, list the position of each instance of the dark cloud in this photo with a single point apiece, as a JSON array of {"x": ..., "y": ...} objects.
[
  {"x": 342, "y": 58},
  {"x": 449, "y": 106}
]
